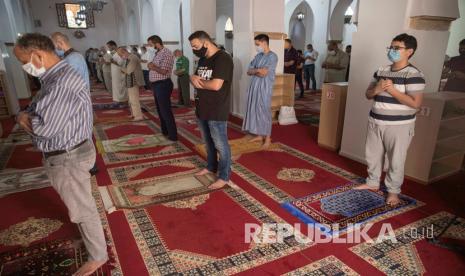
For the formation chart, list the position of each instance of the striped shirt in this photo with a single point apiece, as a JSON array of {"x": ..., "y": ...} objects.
[
  {"x": 61, "y": 113},
  {"x": 387, "y": 110},
  {"x": 165, "y": 60}
]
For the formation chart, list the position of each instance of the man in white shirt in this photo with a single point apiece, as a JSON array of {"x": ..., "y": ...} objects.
[
  {"x": 146, "y": 57},
  {"x": 310, "y": 55},
  {"x": 106, "y": 70}
]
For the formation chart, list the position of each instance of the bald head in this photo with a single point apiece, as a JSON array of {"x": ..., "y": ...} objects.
[
  {"x": 177, "y": 53},
  {"x": 333, "y": 45},
  {"x": 61, "y": 41}
]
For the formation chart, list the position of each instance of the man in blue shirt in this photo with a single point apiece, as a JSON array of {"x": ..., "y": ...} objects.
[{"x": 71, "y": 56}]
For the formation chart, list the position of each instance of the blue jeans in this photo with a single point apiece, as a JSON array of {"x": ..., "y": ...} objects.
[
  {"x": 146, "y": 79},
  {"x": 309, "y": 74},
  {"x": 215, "y": 136}
]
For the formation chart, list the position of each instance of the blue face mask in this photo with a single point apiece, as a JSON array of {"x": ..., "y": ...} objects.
[
  {"x": 394, "y": 55},
  {"x": 60, "y": 53}
]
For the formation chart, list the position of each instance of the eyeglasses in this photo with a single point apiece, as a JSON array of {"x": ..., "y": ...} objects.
[{"x": 395, "y": 48}]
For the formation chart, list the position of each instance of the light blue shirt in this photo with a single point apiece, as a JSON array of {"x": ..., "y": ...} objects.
[{"x": 77, "y": 61}]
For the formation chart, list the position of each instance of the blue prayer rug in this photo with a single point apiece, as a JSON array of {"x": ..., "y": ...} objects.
[{"x": 337, "y": 210}]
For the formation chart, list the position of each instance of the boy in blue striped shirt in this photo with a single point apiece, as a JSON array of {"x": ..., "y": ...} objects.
[{"x": 397, "y": 91}]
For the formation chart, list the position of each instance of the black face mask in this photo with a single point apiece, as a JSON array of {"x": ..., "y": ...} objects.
[
  {"x": 462, "y": 53},
  {"x": 200, "y": 52}
]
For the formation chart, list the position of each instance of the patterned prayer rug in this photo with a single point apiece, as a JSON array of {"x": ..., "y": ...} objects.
[
  {"x": 118, "y": 130},
  {"x": 15, "y": 181},
  {"x": 160, "y": 233},
  {"x": 239, "y": 147},
  {"x": 28, "y": 231},
  {"x": 309, "y": 119},
  {"x": 8, "y": 150},
  {"x": 330, "y": 266},
  {"x": 403, "y": 254},
  {"x": 154, "y": 171},
  {"x": 165, "y": 189},
  {"x": 62, "y": 257},
  {"x": 336, "y": 210},
  {"x": 132, "y": 142},
  {"x": 112, "y": 105}
]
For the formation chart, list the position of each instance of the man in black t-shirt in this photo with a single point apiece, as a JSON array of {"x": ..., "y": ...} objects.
[{"x": 212, "y": 81}]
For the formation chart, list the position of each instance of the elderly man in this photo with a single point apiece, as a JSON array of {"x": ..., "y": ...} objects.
[
  {"x": 119, "y": 92},
  {"x": 60, "y": 123},
  {"x": 106, "y": 69},
  {"x": 336, "y": 63},
  {"x": 73, "y": 57},
  {"x": 133, "y": 79},
  {"x": 182, "y": 71}
]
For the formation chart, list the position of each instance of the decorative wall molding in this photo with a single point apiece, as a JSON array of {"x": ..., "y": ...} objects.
[{"x": 430, "y": 23}]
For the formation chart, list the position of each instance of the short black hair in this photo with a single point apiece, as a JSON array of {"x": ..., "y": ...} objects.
[
  {"x": 309, "y": 45},
  {"x": 288, "y": 40},
  {"x": 202, "y": 35},
  {"x": 262, "y": 37},
  {"x": 300, "y": 51},
  {"x": 409, "y": 41},
  {"x": 462, "y": 42},
  {"x": 349, "y": 46},
  {"x": 155, "y": 39},
  {"x": 112, "y": 43},
  {"x": 37, "y": 41}
]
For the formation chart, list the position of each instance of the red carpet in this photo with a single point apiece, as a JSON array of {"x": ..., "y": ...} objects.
[{"x": 204, "y": 234}]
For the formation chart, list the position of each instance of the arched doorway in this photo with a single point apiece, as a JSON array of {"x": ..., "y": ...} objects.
[
  {"x": 301, "y": 25},
  {"x": 147, "y": 20},
  {"x": 341, "y": 26}
]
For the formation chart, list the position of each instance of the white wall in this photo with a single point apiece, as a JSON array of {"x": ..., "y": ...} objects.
[
  {"x": 14, "y": 18},
  {"x": 457, "y": 32},
  {"x": 105, "y": 25}
]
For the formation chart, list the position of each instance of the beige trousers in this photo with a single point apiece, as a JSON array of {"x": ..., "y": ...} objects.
[
  {"x": 134, "y": 103},
  {"x": 107, "y": 79}
]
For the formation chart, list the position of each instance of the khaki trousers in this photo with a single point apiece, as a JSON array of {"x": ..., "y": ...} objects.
[{"x": 134, "y": 103}]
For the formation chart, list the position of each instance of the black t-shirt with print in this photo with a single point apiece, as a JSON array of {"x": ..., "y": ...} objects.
[{"x": 214, "y": 105}]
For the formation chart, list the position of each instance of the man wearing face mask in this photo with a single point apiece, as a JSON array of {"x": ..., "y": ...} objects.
[
  {"x": 262, "y": 68},
  {"x": 119, "y": 91},
  {"x": 160, "y": 76},
  {"x": 456, "y": 66},
  {"x": 59, "y": 120},
  {"x": 397, "y": 90},
  {"x": 336, "y": 63},
  {"x": 74, "y": 58},
  {"x": 182, "y": 71},
  {"x": 133, "y": 80},
  {"x": 212, "y": 80}
]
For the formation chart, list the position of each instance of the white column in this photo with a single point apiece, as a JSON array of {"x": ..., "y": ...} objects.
[
  {"x": 250, "y": 17},
  {"x": 379, "y": 22}
]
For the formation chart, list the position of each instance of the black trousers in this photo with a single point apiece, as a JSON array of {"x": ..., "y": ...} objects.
[
  {"x": 162, "y": 92},
  {"x": 298, "y": 79}
]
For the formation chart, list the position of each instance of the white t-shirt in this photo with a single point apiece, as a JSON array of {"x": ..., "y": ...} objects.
[
  {"x": 148, "y": 56},
  {"x": 313, "y": 54}
]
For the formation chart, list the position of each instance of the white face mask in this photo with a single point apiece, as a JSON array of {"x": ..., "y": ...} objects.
[
  {"x": 332, "y": 52},
  {"x": 32, "y": 70},
  {"x": 259, "y": 49}
]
